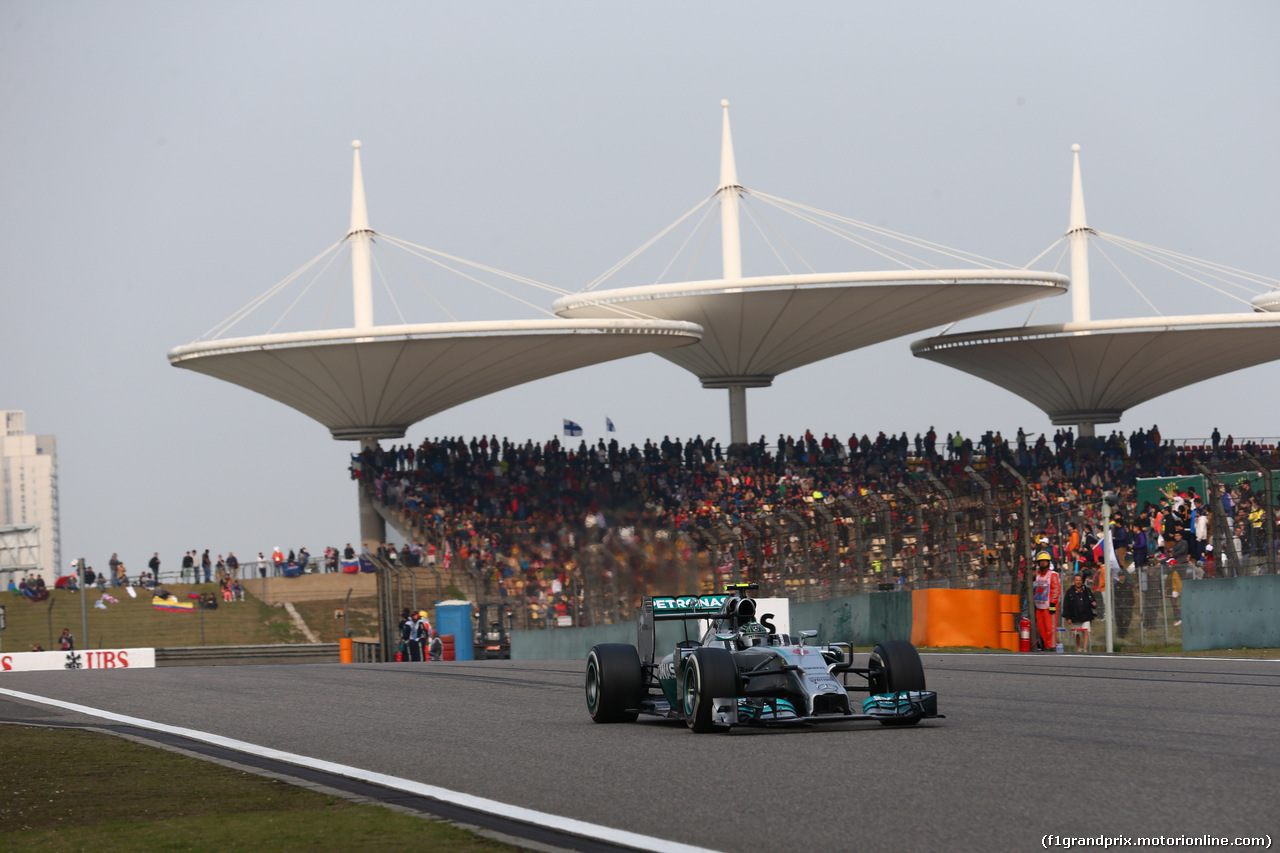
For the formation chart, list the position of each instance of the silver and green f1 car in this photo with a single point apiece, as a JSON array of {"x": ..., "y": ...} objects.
[{"x": 742, "y": 672}]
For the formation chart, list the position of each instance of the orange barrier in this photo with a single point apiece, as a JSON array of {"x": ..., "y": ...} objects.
[
  {"x": 956, "y": 617},
  {"x": 1010, "y": 612},
  {"x": 1009, "y": 641},
  {"x": 345, "y": 655}
]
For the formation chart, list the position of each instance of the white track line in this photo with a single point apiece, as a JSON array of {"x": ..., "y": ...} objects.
[{"x": 481, "y": 804}]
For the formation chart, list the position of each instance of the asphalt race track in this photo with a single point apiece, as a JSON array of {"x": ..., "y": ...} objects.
[{"x": 1032, "y": 745}]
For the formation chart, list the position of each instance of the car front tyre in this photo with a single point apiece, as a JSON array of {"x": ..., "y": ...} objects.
[
  {"x": 895, "y": 667},
  {"x": 708, "y": 674}
]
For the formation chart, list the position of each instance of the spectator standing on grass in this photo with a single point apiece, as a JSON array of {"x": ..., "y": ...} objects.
[
  {"x": 66, "y": 642},
  {"x": 262, "y": 565},
  {"x": 233, "y": 565},
  {"x": 1078, "y": 607},
  {"x": 277, "y": 560},
  {"x": 114, "y": 564},
  {"x": 188, "y": 566},
  {"x": 207, "y": 565}
]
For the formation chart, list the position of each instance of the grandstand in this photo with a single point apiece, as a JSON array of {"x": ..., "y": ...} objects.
[{"x": 573, "y": 536}]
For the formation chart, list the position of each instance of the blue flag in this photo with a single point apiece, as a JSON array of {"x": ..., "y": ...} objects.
[
  {"x": 608, "y": 424},
  {"x": 570, "y": 428}
]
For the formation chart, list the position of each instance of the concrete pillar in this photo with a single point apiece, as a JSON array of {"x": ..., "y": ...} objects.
[
  {"x": 737, "y": 414},
  {"x": 373, "y": 527}
]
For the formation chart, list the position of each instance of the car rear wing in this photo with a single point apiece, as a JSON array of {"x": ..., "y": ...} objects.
[{"x": 673, "y": 608}]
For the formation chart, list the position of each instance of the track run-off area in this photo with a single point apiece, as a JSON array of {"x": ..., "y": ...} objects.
[{"x": 1032, "y": 745}]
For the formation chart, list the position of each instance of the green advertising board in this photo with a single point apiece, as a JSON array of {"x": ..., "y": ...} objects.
[{"x": 1151, "y": 489}]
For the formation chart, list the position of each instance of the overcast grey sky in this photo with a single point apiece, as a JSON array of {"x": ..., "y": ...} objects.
[{"x": 163, "y": 163}]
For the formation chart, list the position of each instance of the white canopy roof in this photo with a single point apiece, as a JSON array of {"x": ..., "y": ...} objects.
[
  {"x": 1091, "y": 372},
  {"x": 757, "y": 328},
  {"x": 375, "y": 382}
]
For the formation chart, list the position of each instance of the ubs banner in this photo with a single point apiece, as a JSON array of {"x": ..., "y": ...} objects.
[{"x": 92, "y": 659}]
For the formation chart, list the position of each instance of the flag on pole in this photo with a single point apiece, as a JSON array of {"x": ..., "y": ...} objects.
[
  {"x": 608, "y": 424},
  {"x": 570, "y": 428}
]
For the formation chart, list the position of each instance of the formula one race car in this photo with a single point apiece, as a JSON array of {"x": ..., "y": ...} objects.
[{"x": 743, "y": 672}]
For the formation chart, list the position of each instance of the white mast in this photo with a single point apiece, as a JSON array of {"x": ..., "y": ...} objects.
[
  {"x": 731, "y": 254},
  {"x": 730, "y": 234},
  {"x": 360, "y": 235},
  {"x": 1078, "y": 234},
  {"x": 373, "y": 528}
]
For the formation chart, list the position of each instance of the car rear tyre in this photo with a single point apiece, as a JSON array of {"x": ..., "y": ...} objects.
[
  {"x": 709, "y": 674},
  {"x": 615, "y": 683},
  {"x": 895, "y": 667}
]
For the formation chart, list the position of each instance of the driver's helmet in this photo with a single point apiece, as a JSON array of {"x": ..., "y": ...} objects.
[{"x": 753, "y": 634}]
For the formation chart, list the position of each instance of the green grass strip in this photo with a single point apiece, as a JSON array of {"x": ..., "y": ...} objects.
[{"x": 69, "y": 789}]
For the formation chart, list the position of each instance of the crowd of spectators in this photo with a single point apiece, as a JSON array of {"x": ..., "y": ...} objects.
[{"x": 515, "y": 514}]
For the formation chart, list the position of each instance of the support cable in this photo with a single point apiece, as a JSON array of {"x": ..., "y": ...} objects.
[
  {"x": 959, "y": 254},
  {"x": 1129, "y": 281},
  {"x": 626, "y": 260},
  {"x": 298, "y": 298},
  {"x": 226, "y": 325}
]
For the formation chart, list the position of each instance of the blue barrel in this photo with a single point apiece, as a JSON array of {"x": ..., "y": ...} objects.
[{"x": 454, "y": 617}]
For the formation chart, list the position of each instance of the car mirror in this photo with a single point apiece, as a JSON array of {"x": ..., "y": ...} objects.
[{"x": 807, "y": 635}]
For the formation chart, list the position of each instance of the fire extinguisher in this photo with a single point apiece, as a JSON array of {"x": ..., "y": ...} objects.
[{"x": 1024, "y": 635}]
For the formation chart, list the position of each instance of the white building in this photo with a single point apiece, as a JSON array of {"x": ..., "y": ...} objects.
[{"x": 29, "y": 488}]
